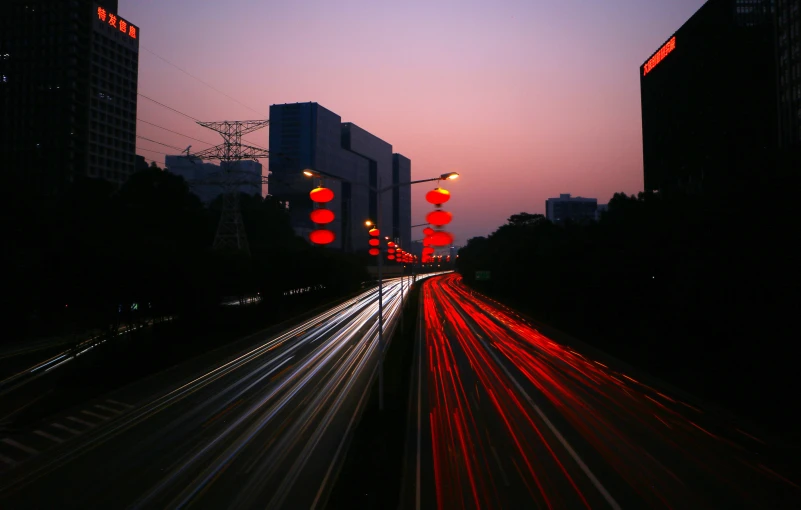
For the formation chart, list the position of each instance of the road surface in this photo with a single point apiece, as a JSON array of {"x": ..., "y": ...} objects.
[
  {"x": 267, "y": 429},
  {"x": 509, "y": 418}
]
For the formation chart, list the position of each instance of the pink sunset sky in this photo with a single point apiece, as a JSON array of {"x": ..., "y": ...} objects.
[{"x": 526, "y": 99}]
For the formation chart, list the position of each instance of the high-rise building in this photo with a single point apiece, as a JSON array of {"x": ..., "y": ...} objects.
[
  {"x": 307, "y": 135},
  {"x": 709, "y": 101},
  {"x": 401, "y": 200},
  {"x": 567, "y": 208},
  {"x": 68, "y": 89},
  {"x": 205, "y": 179},
  {"x": 788, "y": 59}
]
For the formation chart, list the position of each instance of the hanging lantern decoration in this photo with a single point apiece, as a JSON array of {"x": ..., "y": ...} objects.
[
  {"x": 427, "y": 241},
  {"x": 321, "y": 195},
  {"x": 439, "y": 217},
  {"x": 428, "y": 251},
  {"x": 322, "y": 216},
  {"x": 438, "y": 196},
  {"x": 391, "y": 251},
  {"x": 390, "y": 257},
  {"x": 374, "y": 252},
  {"x": 441, "y": 238},
  {"x": 374, "y": 232},
  {"x": 428, "y": 231},
  {"x": 391, "y": 244},
  {"x": 322, "y": 236},
  {"x": 374, "y": 242}
]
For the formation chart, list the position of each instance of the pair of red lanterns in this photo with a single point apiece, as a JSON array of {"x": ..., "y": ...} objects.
[
  {"x": 436, "y": 237},
  {"x": 321, "y": 215}
]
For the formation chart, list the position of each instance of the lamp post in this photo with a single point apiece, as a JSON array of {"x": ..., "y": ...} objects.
[{"x": 378, "y": 190}]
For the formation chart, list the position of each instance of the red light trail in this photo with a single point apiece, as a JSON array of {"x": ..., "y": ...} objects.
[{"x": 516, "y": 418}]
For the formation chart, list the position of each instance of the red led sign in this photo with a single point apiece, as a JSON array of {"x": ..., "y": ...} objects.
[
  {"x": 659, "y": 56},
  {"x": 116, "y": 22}
]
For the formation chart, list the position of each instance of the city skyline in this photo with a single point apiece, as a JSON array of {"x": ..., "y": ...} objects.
[{"x": 526, "y": 102}]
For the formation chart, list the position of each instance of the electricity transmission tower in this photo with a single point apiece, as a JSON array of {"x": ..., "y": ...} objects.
[{"x": 231, "y": 233}]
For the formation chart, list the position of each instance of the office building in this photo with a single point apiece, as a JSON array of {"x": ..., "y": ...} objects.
[
  {"x": 309, "y": 136},
  {"x": 68, "y": 91},
  {"x": 788, "y": 58},
  {"x": 709, "y": 104},
  {"x": 401, "y": 200},
  {"x": 567, "y": 208},
  {"x": 205, "y": 179}
]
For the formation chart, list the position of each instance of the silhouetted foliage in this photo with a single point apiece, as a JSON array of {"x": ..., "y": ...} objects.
[
  {"x": 82, "y": 260},
  {"x": 699, "y": 289}
]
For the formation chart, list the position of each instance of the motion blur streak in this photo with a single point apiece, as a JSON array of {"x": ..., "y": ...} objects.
[
  {"x": 607, "y": 440},
  {"x": 265, "y": 429}
]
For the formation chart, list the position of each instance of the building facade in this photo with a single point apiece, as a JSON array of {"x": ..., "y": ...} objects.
[
  {"x": 68, "y": 90},
  {"x": 402, "y": 200},
  {"x": 567, "y": 208},
  {"x": 788, "y": 59},
  {"x": 309, "y": 136},
  {"x": 708, "y": 94},
  {"x": 205, "y": 179}
]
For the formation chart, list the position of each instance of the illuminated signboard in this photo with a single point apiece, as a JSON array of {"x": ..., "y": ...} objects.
[
  {"x": 659, "y": 56},
  {"x": 115, "y": 21}
]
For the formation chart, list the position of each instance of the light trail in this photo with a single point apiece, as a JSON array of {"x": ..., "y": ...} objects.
[{"x": 496, "y": 384}]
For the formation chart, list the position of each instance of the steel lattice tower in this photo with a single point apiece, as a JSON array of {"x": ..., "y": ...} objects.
[{"x": 231, "y": 235}]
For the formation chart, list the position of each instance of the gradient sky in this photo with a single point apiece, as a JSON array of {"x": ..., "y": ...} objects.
[{"x": 526, "y": 98}]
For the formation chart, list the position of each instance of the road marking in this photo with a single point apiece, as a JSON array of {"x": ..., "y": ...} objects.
[
  {"x": 500, "y": 466},
  {"x": 7, "y": 460},
  {"x": 608, "y": 497},
  {"x": 95, "y": 415},
  {"x": 108, "y": 409},
  {"x": 48, "y": 436},
  {"x": 21, "y": 446},
  {"x": 119, "y": 403},
  {"x": 78, "y": 420},
  {"x": 62, "y": 427}
]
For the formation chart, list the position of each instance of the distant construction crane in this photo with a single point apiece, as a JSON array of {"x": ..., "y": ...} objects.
[{"x": 231, "y": 235}]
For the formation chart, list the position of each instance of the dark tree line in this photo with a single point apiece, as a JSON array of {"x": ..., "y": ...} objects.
[
  {"x": 699, "y": 289},
  {"x": 81, "y": 260}
]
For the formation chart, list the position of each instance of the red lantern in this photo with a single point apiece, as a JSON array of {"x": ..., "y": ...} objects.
[
  {"x": 322, "y": 216},
  {"x": 321, "y": 195},
  {"x": 374, "y": 251},
  {"x": 391, "y": 251},
  {"x": 427, "y": 251},
  {"x": 438, "y": 196},
  {"x": 428, "y": 231},
  {"x": 374, "y": 242},
  {"x": 390, "y": 257},
  {"x": 374, "y": 232},
  {"x": 322, "y": 236},
  {"x": 391, "y": 244},
  {"x": 439, "y": 218},
  {"x": 427, "y": 241},
  {"x": 441, "y": 238}
]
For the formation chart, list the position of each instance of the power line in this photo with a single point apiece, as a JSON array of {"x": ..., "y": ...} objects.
[
  {"x": 164, "y": 144},
  {"x": 167, "y": 107},
  {"x": 176, "y": 132},
  {"x": 151, "y": 150},
  {"x": 201, "y": 81},
  {"x": 190, "y": 117}
]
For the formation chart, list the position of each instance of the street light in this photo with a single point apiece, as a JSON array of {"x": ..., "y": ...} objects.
[
  {"x": 368, "y": 223},
  {"x": 378, "y": 190}
]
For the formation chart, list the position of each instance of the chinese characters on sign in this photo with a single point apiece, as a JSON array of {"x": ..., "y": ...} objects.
[
  {"x": 114, "y": 21},
  {"x": 659, "y": 56}
]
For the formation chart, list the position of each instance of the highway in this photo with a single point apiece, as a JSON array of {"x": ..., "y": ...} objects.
[
  {"x": 266, "y": 429},
  {"x": 510, "y": 418}
]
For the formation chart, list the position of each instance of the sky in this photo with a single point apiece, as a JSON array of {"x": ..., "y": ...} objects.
[{"x": 526, "y": 99}]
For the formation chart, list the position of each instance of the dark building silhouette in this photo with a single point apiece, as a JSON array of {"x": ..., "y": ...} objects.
[
  {"x": 709, "y": 99},
  {"x": 788, "y": 58},
  {"x": 402, "y": 200},
  {"x": 307, "y": 135},
  {"x": 68, "y": 84},
  {"x": 567, "y": 208}
]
